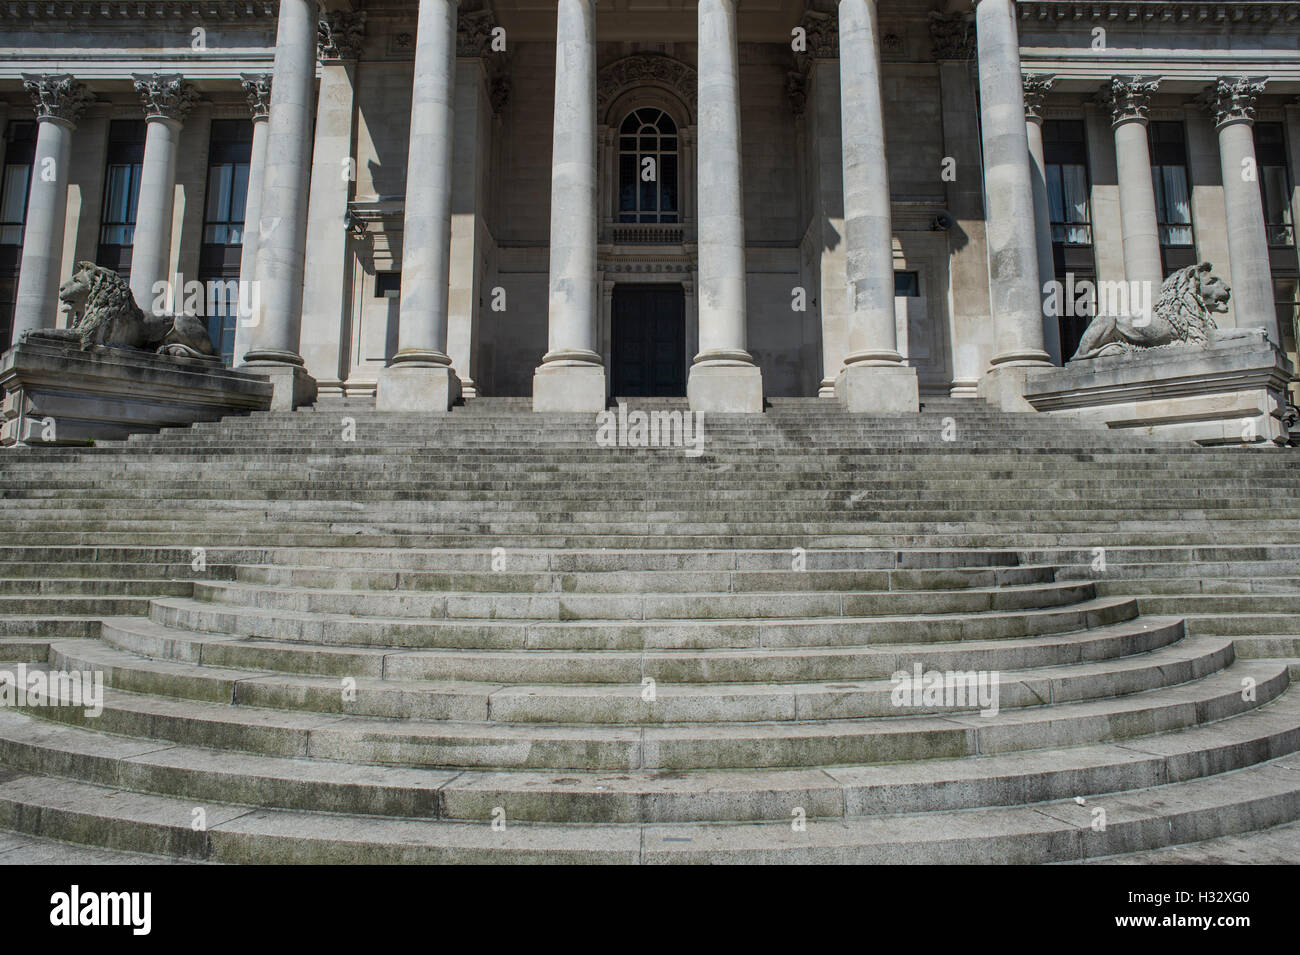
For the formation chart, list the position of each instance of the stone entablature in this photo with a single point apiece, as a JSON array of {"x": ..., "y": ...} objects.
[
  {"x": 1117, "y": 11},
  {"x": 201, "y": 11}
]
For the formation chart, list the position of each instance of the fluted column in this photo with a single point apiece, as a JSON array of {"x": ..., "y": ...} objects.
[
  {"x": 257, "y": 87},
  {"x": 874, "y": 377},
  {"x": 1129, "y": 99},
  {"x": 1231, "y": 102},
  {"x": 167, "y": 100},
  {"x": 723, "y": 377},
  {"x": 572, "y": 374},
  {"x": 1036, "y": 89},
  {"x": 281, "y": 253},
  {"x": 1014, "y": 293},
  {"x": 59, "y": 101}
]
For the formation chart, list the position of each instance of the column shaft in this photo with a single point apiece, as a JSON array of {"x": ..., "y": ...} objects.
[
  {"x": 1036, "y": 88},
  {"x": 151, "y": 247},
  {"x": 1252, "y": 280},
  {"x": 1009, "y": 199},
  {"x": 723, "y": 377},
  {"x": 37, "y": 299},
  {"x": 258, "y": 88},
  {"x": 283, "y": 220},
  {"x": 572, "y": 376}
]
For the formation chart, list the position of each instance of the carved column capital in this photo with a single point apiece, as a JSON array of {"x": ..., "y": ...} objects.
[
  {"x": 339, "y": 34},
  {"x": 257, "y": 87},
  {"x": 165, "y": 95},
  {"x": 822, "y": 35},
  {"x": 1128, "y": 98},
  {"x": 1037, "y": 86},
  {"x": 953, "y": 35},
  {"x": 1232, "y": 99},
  {"x": 57, "y": 96},
  {"x": 474, "y": 33}
]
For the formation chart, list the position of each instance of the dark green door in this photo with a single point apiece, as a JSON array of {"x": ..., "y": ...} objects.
[{"x": 649, "y": 341}]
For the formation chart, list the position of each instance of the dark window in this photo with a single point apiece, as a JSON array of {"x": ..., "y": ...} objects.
[
  {"x": 121, "y": 193},
  {"x": 15, "y": 183},
  {"x": 230, "y": 146},
  {"x": 1065, "y": 160},
  {"x": 1274, "y": 183},
  {"x": 1173, "y": 195},
  {"x": 907, "y": 285},
  {"x": 647, "y": 167},
  {"x": 388, "y": 283}
]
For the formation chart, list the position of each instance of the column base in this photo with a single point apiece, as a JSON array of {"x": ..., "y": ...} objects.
[
  {"x": 291, "y": 386},
  {"x": 572, "y": 388},
  {"x": 827, "y": 388},
  {"x": 878, "y": 389},
  {"x": 1004, "y": 385},
  {"x": 411, "y": 387},
  {"x": 725, "y": 389}
]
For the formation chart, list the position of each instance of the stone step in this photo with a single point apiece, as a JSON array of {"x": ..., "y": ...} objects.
[
  {"x": 1258, "y": 796},
  {"x": 456, "y": 744},
  {"x": 614, "y": 703},
  {"x": 202, "y": 775},
  {"x": 395, "y": 632},
  {"x": 144, "y": 637}
]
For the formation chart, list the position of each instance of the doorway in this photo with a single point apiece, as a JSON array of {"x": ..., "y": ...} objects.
[{"x": 648, "y": 341}]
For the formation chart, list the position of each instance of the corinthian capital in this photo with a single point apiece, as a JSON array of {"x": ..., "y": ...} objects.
[
  {"x": 257, "y": 87},
  {"x": 165, "y": 95},
  {"x": 339, "y": 34},
  {"x": 1232, "y": 99},
  {"x": 1037, "y": 86},
  {"x": 57, "y": 96},
  {"x": 1128, "y": 97},
  {"x": 953, "y": 35}
]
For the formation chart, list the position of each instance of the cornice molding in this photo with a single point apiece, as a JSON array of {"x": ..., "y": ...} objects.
[
  {"x": 1159, "y": 12},
  {"x": 197, "y": 11}
]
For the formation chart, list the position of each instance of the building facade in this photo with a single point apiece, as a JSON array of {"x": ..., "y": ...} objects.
[{"x": 731, "y": 198}]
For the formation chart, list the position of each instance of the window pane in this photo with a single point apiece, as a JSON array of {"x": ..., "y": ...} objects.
[
  {"x": 219, "y": 192},
  {"x": 627, "y": 177},
  {"x": 1274, "y": 185},
  {"x": 668, "y": 183},
  {"x": 649, "y": 143},
  {"x": 239, "y": 192},
  {"x": 14, "y": 197},
  {"x": 630, "y": 125},
  {"x": 649, "y": 193},
  {"x": 666, "y": 124},
  {"x": 627, "y": 142}
]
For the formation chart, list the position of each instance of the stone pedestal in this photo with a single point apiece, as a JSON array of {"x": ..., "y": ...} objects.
[
  {"x": 57, "y": 393},
  {"x": 412, "y": 387},
  {"x": 291, "y": 386},
  {"x": 1232, "y": 392},
  {"x": 1003, "y": 386},
  {"x": 576, "y": 387},
  {"x": 725, "y": 389},
  {"x": 882, "y": 389}
]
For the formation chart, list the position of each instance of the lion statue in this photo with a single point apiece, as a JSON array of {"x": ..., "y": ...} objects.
[
  {"x": 1183, "y": 313},
  {"x": 102, "y": 311}
]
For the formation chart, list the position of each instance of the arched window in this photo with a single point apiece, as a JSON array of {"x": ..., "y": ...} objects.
[{"x": 647, "y": 167}]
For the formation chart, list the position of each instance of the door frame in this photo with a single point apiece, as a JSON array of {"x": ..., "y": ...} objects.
[
  {"x": 687, "y": 281},
  {"x": 639, "y": 282}
]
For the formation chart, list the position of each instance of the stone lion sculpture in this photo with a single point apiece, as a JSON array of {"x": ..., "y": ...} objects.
[
  {"x": 102, "y": 311},
  {"x": 1183, "y": 313}
]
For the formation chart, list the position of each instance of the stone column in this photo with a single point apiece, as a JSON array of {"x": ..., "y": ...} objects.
[
  {"x": 327, "y": 296},
  {"x": 1232, "y": 104},
  {"x": 723, "y": 377},
  {"x": 1129, "y": 100},
  {"x": 60, "y": 101},
  {"x": 1036, "y": 89},
  {"x": 826, "y": 147},
  {"x": 968, "y": 266},
  {"x": 874, "y": 377},
  {"x": 257, "y": 86},
  {"x": 167, "y": 100},
  {"x": 1014, "y": 293},
  {"x": 281, "y": 253},
  {"x": 572, "y": 375}
]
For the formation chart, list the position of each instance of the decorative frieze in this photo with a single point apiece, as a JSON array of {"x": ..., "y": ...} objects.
[
  {"x": 1037, "y": 86},
  {"x": 165, "y": 95},
  {"x": 1232, "y": 100},
  {"x": 257, "y": 87},
  {"x": 339, "y": 34},
  {"x": 1128, "y": 97},
  {"x": 57, "y": 96},
  {"x": 645, "y": 69},
  {"x": 953, "y": 35}
]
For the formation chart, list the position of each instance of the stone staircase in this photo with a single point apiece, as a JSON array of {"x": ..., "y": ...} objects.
[{"x": 339, "y": 636}]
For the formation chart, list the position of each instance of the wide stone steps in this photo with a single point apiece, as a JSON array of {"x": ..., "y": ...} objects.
[
  {"x": 677, "y": 747},
  {"x": 613, "y": 703},
  {"x": 144, "y": 637}
]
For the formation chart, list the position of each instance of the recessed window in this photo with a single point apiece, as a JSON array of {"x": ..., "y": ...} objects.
[
  {"x": 1173, "y": 195},
  {"x": 907, "y": 285},
  {"x": 121, "y": 193},
  {"x": 388, "y": 284},
  {"x": 15, "y": 180},
  {"x": 647, "y": 167},
  {"x": 1274, "y": 184}
]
